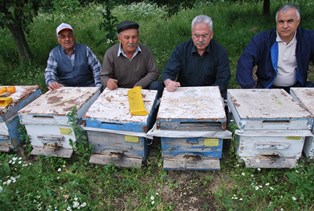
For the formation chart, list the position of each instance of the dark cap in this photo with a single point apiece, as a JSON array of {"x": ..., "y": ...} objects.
[{"x": 127, "y": 25}]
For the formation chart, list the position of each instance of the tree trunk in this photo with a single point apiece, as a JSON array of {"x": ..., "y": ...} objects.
[
  {"x": 24, "y": 52},
  {"x": 266, "y": 8}
]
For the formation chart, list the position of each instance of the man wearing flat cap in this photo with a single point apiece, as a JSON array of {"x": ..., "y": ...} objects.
[
  {"x": 129, "y": 63},
  {"x": 71, "y": 63}
]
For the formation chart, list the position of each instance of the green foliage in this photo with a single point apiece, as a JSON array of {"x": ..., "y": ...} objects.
[
  {"x": 81, "y": 146},
  {"x": 109, "y": 22}
]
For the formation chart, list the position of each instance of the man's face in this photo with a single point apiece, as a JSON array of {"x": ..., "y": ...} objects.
[
  {"x": 129, "y": 39},
  {"x": 287, "y": 24},
  {"x": 201, "y": 36},
  {"x": 66, "y": 39}
]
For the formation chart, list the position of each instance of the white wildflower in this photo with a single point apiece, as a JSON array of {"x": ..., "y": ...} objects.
[
  {"x": 153, "y": 202},
  {"x": 243, "y": 174},
  {"x": 75, "y": 198},
  {"x": 76, "y": 204},
  {"x": 267, "y": 184},
  {"x": 59, "y": 169},
  {"x": 271, "y": 188},
  {"x": 152, "y": 198},
  {"x": 256, "y": 187},
  {"x": 258, "y": 169},
  {"x": 240, "y": 199},
  {"x": 294, "y": 198},
  {"x": 83, "y": 204},
  {"x": 69, "y": 208}
]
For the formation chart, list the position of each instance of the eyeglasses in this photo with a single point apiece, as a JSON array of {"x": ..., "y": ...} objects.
[
  {"x": 198, "y": 36},
  {"x": 64, "y": 36}
]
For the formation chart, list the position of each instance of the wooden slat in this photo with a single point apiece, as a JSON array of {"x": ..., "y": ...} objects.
[
  {"x": 184, "y": 164},
  {"x": 62, "y": 152},
  {"x": 121, "y": 162},
  {"x": 269, "y": 162}
]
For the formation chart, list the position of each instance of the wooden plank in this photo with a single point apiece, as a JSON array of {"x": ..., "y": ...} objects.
[
  {"x": 192, "y": 103},
  {"x": 121, "y": 162},
  {"x": 185, "y": 164},
  {"x": 269, "y": 162},
  {"x": 284, "y": 146},
  {"x": 129, "y": 146},
  {"x": 4, "y": 147},
  {"x": 201, "y": 147},
  {"x": 112, "y": 106},
  {"x": 62, "y": 152},
  {"x": 61, "y": 101},
  {"x": 304, "y": 95}
]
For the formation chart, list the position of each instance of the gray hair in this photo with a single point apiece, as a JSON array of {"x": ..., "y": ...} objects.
[
  {"x": 203, "y": 19},
  {"x": 287, "y": 7}
]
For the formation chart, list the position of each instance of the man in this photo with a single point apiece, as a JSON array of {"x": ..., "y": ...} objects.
[
  {"x": 71, "y": 63},
  {"x": 128, "y": 63},
  {"x": 200, "y": 61},
  {"x": 282, "y": 55}
]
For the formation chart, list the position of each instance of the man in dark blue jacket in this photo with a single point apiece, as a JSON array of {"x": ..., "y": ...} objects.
[{"x": 282, "y": 55}]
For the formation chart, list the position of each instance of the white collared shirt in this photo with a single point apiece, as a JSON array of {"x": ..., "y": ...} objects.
[
  {"x": 287, "y": 63},
  {"x": 120, "y": 51}
]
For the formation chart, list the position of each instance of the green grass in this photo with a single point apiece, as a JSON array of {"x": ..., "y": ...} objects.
[{"x": 43, "y": 183}]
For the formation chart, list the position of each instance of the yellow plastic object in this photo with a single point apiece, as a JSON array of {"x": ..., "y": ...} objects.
[
  {"x": 136, "y": 102},
  {"x": 5, "y": 101}
]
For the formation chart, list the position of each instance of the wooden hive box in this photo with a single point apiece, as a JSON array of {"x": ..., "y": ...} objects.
[
  {"x": 47, "y": 123},
  {"x": 272, "y": 127},
  {"x": 9, "y": 121},
  {"x": 117, "y": 136},
  {"x": 305, "y": 96},
  {"x": 188, "y": 122}
]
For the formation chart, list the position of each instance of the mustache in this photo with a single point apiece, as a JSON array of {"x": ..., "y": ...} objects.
[
  {"x": 200, "y": 43},
  {"x": 131, "y": 45}
]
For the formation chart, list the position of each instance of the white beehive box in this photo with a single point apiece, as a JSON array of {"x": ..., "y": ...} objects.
[
  {"x": 192, "y": 125},
  {"x": 9, "y": 121},
  {"x": 46, "y": 119},
  {"x": 117, "y": 136},
  {"x": 272, "y": 127},
  {"x": 306, "y": 98}
]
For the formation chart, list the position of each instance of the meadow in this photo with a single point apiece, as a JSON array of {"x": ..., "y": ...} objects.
[{"x": 50, "y": 183}]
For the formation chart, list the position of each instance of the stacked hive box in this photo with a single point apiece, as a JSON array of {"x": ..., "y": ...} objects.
[
  {"x": 272, "y": 127},
  {"x": 117, "y": 136},
  {"x": 9, "y": 121},
  {"x": 306, "y": 98},
  {"x": 192, "y": 125},
  {"x": 46, "y": 119}
]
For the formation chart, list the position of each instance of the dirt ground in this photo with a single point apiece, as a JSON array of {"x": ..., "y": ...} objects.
[{"x": 190, "y": 190}]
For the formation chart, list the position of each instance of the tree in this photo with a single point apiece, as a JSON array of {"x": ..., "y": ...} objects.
[
  {"x": 16, "y": 15},
  {"x": 266, "y": 7}
]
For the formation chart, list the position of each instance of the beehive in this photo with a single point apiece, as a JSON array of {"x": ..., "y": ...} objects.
[
  {"x": 47, "y": 123},
  {"x": 117, "y": 136},
  {"x": 9, "y": 121},
  {"x": 305, "y": 96},
  {"x": 272, "y": 127},
  {"x": 192, "y": 125}
]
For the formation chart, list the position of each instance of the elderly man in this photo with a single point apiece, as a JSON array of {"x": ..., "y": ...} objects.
[
  {"x": 71, "y": 63},
  {"x": 129, "y": 63},
  {"x": 200, "y": 61},
  {"x": 282, "y": 55}
]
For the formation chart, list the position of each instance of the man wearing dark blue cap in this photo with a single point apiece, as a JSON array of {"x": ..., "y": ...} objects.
[{"x": 128, "y": 63}]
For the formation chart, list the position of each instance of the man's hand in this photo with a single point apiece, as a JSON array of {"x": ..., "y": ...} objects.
[
  {"x": 54, "y": 85},
  {"x": 112, "y": 84},
  {"x": 171, "y": 86}
]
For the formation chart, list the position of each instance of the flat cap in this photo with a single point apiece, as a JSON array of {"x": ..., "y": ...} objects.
[{"x": 127, "y": 25}]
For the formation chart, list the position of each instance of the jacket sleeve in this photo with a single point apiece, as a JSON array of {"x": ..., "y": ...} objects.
[{"x": 246, "y": 63}]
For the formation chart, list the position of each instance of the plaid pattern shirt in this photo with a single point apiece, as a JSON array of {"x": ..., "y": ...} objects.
[{"x": 52, "y": 64}]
